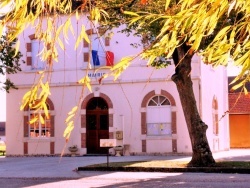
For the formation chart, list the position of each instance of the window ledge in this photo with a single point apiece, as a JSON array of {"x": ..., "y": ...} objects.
[
  {"x": 162, "y": 137},
  {"x": 34, "y": 70},
  {"x": 43, "y": 139}
]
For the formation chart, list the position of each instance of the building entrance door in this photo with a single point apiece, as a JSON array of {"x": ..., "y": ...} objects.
[{"x": 97, "y": 125}]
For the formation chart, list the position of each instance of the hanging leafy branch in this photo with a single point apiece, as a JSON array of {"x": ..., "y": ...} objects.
[
  {"x": 218, "y": 30},
  {"x": 36, "y": 98},
  {"x": 44, "y": 17},
  {"x": 70, "y": 123}
]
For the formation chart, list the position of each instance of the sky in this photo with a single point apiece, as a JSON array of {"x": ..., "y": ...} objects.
[{"x": 233, "y": 70}]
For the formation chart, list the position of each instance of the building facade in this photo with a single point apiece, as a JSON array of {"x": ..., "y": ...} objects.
[
  {"x": 141, "y": 109},
  {"x": 239, "y": 117}
]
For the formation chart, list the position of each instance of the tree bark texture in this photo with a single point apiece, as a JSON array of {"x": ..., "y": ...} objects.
[{"x": 202, "y": 155}]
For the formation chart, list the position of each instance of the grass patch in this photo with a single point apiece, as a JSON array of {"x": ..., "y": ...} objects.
[
  {"x": 171, "y": 164},
  {"x": 234, "y": 164}
]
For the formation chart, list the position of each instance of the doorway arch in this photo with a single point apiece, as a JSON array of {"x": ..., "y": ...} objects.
[
  {"x": 87, "y": 101},
  {"x": 97, "y": 125}
]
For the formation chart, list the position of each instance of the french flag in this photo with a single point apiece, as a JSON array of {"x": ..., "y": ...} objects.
[{"x": 99, "y": 58}]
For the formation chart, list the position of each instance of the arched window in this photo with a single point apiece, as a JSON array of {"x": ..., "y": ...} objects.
[
  {"x": 42, "y": 126},
  {"x": 159, "y": 116}
]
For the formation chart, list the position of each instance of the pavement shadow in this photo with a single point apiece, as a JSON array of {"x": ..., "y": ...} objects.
[
  {"x": 145, "y": 180},
  {"x": 185, "y": 181}
]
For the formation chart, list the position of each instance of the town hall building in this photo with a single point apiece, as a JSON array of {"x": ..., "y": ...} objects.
[{"x": 140, "y": 110}]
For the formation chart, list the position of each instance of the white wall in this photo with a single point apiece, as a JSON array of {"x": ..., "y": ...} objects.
[
  {"x": 2, "y": 101},
  {"x": 214, "y": 83}
]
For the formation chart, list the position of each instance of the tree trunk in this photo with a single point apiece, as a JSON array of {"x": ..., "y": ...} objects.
[{"x": 202, "y": 155}]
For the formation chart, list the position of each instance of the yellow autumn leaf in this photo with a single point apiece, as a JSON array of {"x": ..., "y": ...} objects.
[
  {"x": 40, "y": 72},
  {"x": 41, "y": 95},
  {"x": 95, "y": 15},
  {"x": 83, "y": 35},
  {"x": 74, "y": 109},
  {"x": 167, "y": 4},
  {"x": 60, "y": 44},
  {"x": 4, "y": 3},
  {"x": 33, "y": 120},
  {"x": 68, "y": 130},
  {"x": 77, "y": 15},
  {"x": 131, "y": 13},
  {"x": 45, "y": 87},
  {"x": 86, "y": 81},
  {"x": 104, "y": 13},
  {"x": 25, "y": 100},
  {"x": 33, "y": 95},
  {"x": 123, "y": 63},
  {"x": 134, "y": 19},
  {"x": 242, "y": 59},
  {"x": 69, "y": 117},
  {"x": 38, "y": 105},
  {"x": 245, "y": 90},
  {"x": 232, "y": 4},
  {"x": 41, "y": 119},
  {"x": 45, "y": 109},
  {"x": 50, "y": 26},
  {"x": 66, "y": 28},
  {"x": 222, "y": 33},
  {"x": 5, "y": 7},
  {"x": 104, "y": 76},
  {"x": 237, "y": 86},
  {"x": 58, "y": 31}
]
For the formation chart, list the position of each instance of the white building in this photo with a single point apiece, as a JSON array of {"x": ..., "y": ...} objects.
[
  {"x": 143, "y": 104},
  {"x": 2, "y": 100},
  {"x": 2, "y": 110}
]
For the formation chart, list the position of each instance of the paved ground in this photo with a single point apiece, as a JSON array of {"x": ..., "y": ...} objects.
[
  {"x": 55, "y": 172},
  {"x": 56, "y": 167},
  {"x": 134, "y": 180}
]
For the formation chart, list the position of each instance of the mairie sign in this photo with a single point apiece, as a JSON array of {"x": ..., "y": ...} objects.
[{"x": 95, "y": 74}]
